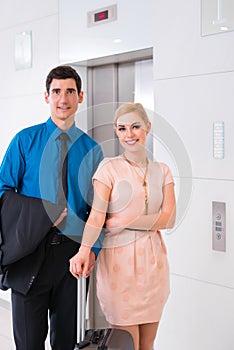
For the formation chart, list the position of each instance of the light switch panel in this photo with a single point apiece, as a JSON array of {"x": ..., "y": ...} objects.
[{"x": 219, "y": 226}]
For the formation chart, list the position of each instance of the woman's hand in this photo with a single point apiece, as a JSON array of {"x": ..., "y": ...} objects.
[
  {"x": 116, "y": 225},
  {"x": 82, "y": 263}
]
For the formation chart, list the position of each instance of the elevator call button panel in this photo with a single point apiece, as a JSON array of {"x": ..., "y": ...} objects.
[{"x": 219, "y": 226}]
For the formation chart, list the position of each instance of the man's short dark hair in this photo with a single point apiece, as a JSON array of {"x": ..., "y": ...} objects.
[{"x": 63, "y": 72}]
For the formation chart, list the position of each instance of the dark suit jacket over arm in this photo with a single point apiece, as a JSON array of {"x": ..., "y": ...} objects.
[{"x": 24, "y": 226}]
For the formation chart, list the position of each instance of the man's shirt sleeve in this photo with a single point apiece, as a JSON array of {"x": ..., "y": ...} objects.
[{"x": 12, "y": 167}]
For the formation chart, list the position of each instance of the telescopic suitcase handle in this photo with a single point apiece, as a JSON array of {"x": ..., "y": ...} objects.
[{"x": 81, "y": 308}]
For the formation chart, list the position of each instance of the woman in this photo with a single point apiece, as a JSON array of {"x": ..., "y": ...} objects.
[{"x": 138, "y": 196}]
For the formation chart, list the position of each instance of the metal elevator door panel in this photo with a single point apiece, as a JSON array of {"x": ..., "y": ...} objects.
[
  {"x": 103, "y": 81},
  {"x": 107, "y": 86},
  {"x": 126, "y": 82}
]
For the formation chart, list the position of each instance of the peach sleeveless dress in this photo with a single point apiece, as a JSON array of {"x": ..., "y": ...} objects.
[{"x": 132, "y": 267}]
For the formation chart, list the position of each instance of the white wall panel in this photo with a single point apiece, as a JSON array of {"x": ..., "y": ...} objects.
[
  {"x": 44, "y": 56},
  {"x": 197, "y": 316},
  {"x": 15, "y": 12},
  {"x": 191, "y": 105},
  {"x": 190, "y": 244},
  {"x": 79, "y": 42},
  {"x": 22, "y": 91},
  {"x": 180, "y": 49},
  {"x": 25, "y": 111}
]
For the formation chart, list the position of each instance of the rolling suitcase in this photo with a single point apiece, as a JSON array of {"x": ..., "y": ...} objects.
[{"x": 100, "y": 339}]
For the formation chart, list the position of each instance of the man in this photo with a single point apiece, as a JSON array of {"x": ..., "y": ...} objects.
[{"x": 31, "y": 168}]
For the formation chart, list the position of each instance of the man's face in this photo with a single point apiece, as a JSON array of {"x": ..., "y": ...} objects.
[{"x": 63, "y": 99}]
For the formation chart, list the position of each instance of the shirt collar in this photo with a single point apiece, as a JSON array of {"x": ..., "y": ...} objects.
[{"x": 54, "y": 131}]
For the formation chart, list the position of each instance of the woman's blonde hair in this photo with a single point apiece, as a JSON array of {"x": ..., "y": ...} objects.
[{"x": 131, "y": 107}]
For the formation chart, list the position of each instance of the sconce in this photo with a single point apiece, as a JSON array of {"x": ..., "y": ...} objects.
[{"x": 23, "y": 50}]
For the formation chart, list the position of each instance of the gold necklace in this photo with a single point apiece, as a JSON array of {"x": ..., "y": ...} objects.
[{"x": 144, "y": 184}]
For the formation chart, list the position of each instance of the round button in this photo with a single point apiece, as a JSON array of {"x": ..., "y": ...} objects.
[{"x": 218, "y": 236}]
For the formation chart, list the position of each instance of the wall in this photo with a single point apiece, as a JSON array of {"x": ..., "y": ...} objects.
[
  {"x": 194, "y": 84},
  {"x": 79, "y": 42},
  {"x": 21, "y": 92}
]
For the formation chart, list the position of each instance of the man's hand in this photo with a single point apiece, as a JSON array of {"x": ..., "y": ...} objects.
[{"x": 61, "y": 217}]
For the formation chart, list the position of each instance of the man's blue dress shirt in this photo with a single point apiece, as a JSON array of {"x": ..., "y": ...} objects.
[{"x": 31, "y": 165}]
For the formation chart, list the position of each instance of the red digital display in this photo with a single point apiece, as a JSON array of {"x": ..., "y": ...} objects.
[{"x": 100, "y": 16}]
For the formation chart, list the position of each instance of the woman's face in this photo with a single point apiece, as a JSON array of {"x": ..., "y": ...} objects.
[{"x": 132, "y": 131}]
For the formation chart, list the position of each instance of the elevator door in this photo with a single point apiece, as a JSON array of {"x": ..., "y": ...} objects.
[{"x": 108, "y": 86}]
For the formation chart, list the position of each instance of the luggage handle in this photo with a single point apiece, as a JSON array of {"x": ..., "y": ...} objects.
[
  {"x": 81, "y": 308},
  {"x": 83, "y": 339},
  {"x": 82, "y": 342}
]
